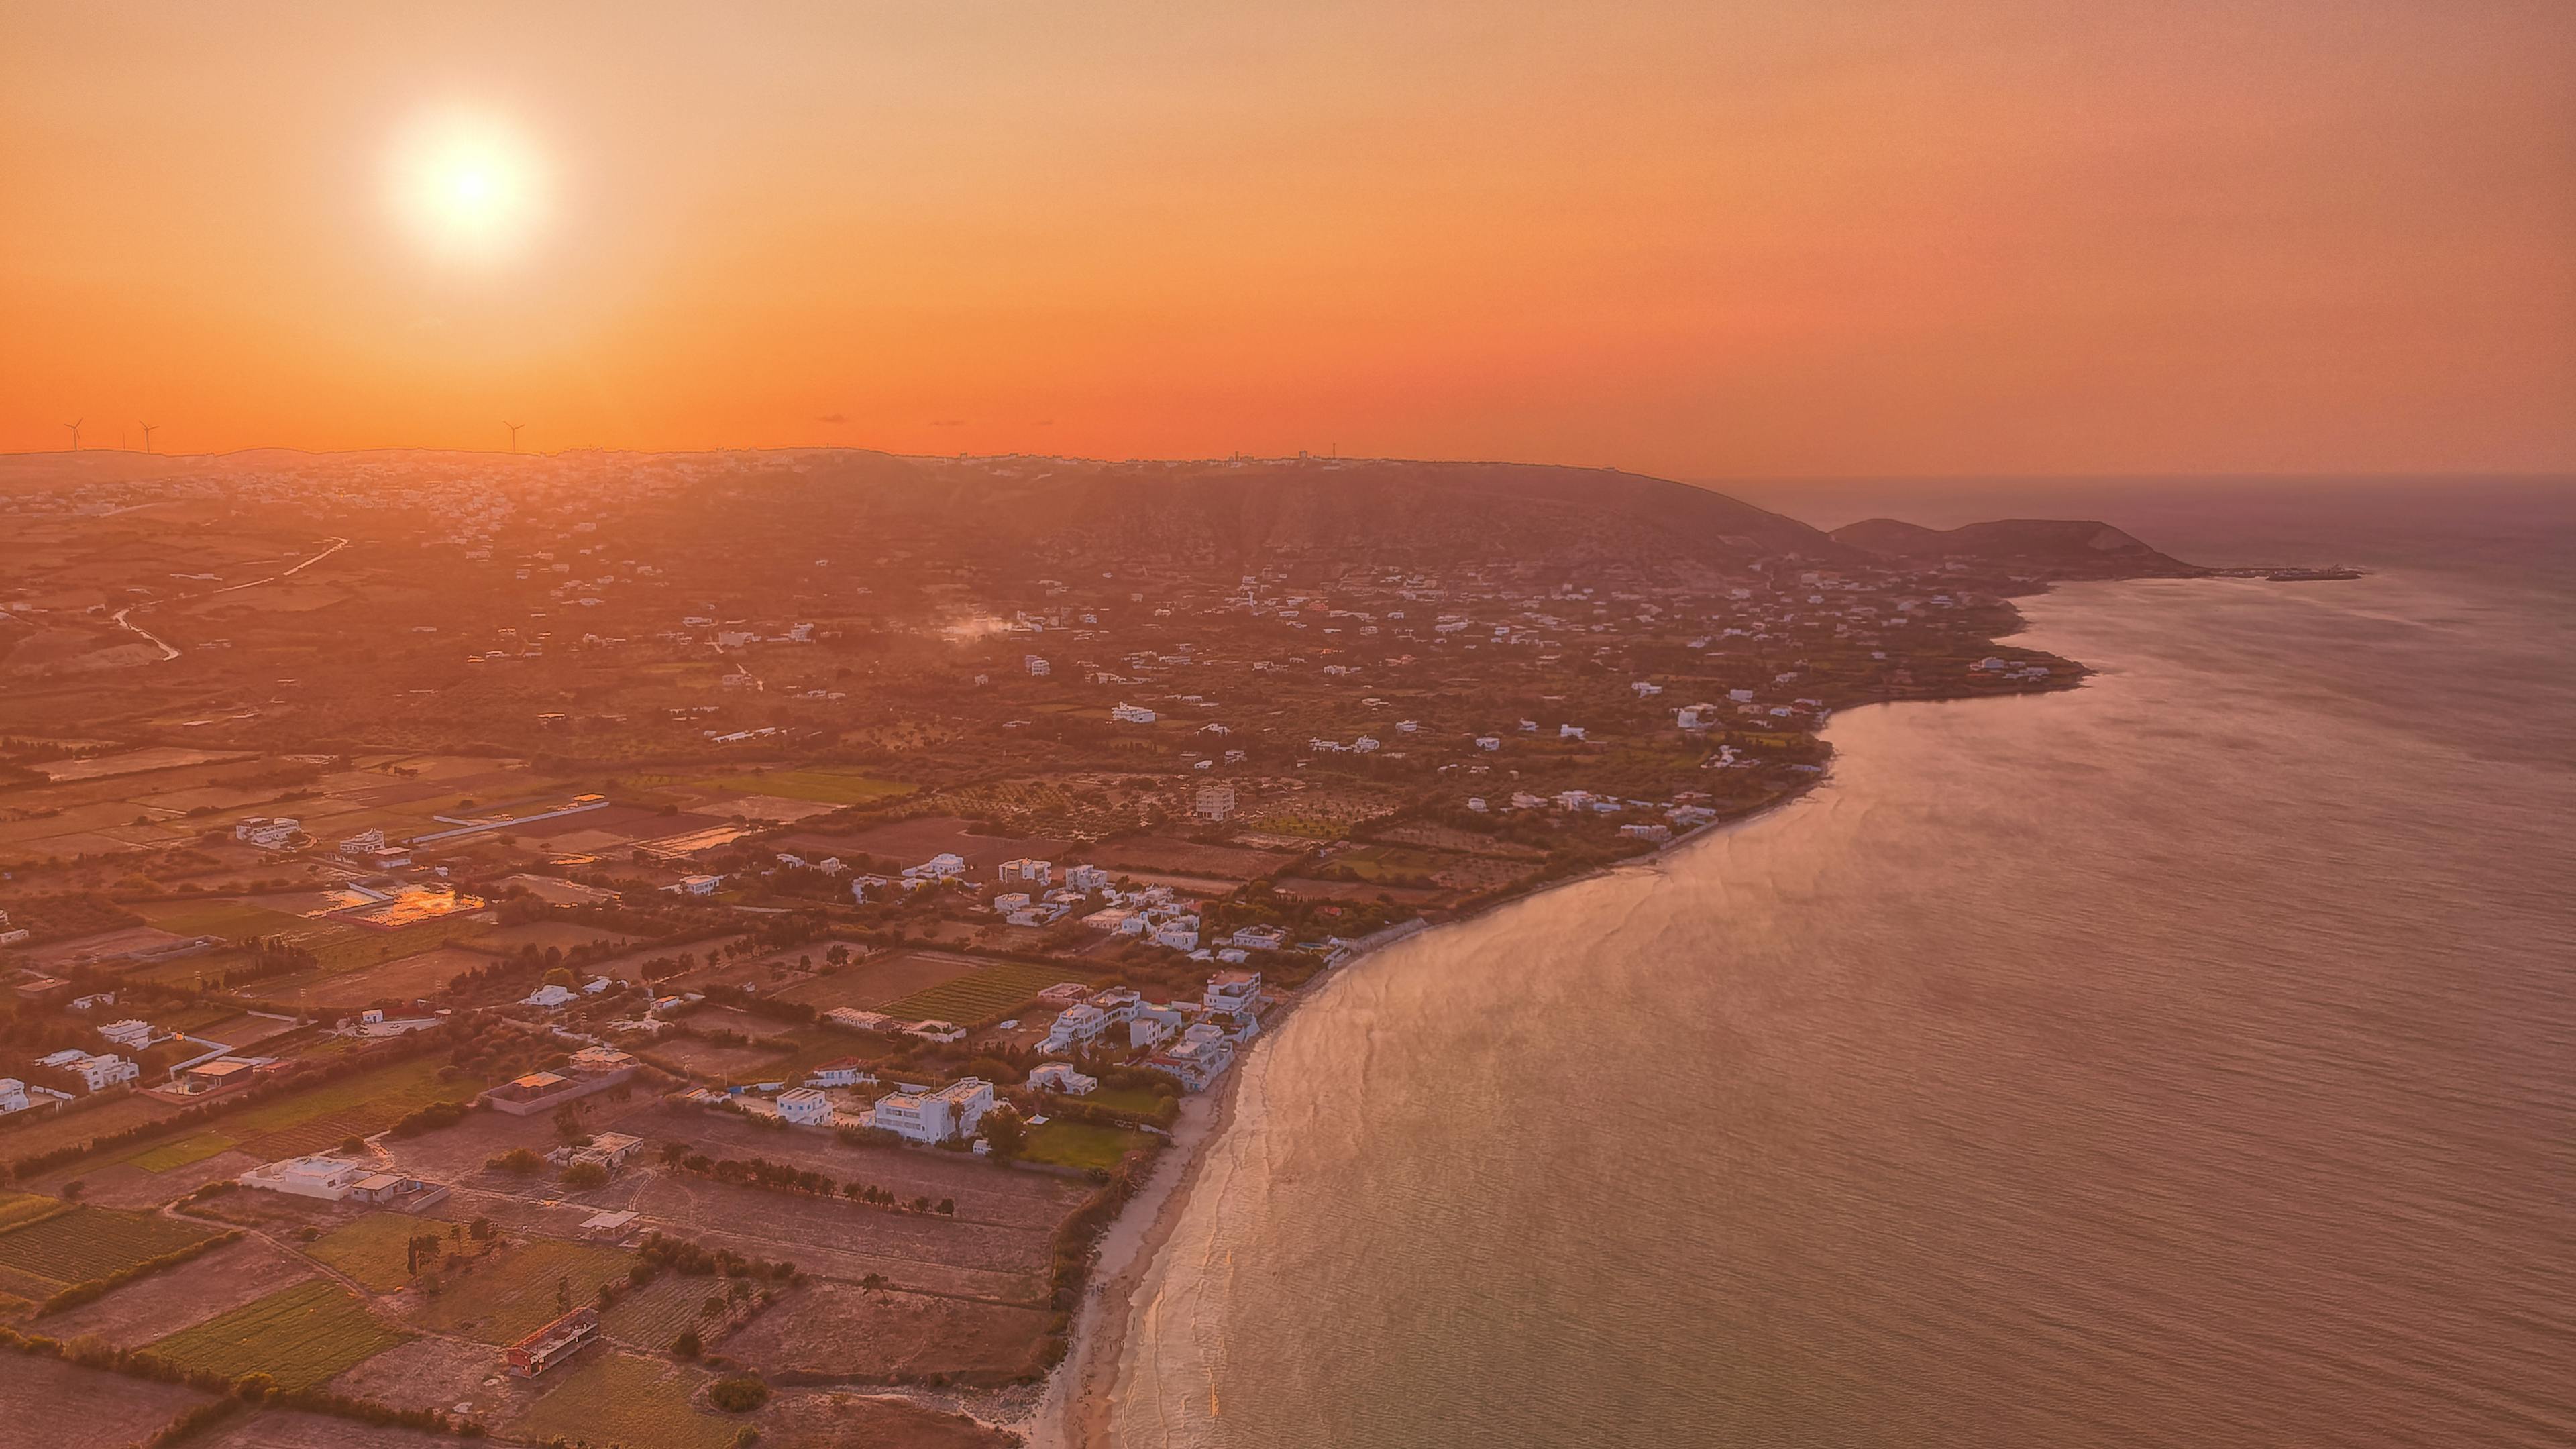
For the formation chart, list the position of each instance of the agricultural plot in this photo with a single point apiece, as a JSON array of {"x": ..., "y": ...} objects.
[
  {"x": 64, "y": 1129},
  {"x": 186, "y": 1150},
  {"x": 1083, "y": 1144},
  {"x": 63, "y": 1406},
  {"x": 301, "y": 1335},
  {"x": 375, "y": 1249},
  {"x": 614, "y": 1400},
  {"x": 17, "y": 1209},
  {"x": 821, "y": 784},
  {"x": 423, "y": 973},
  {"x": 651, "y": 1316},
  {"x": 85, "y": 1243},
  {"x": 231, "y": 920},
  {"x": 357, "y": 1106},
  {"x": 980, "y": 996},
  {"x": 840, "y": 1329},
  {"x": 185, "y": 1296},
  {"x": 871, "y": 984},
  {"x": 505, "y": 1296}
]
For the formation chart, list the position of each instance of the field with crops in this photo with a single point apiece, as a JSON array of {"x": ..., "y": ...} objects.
[
  {"x": 356, "y": 1106},
  {"x": 505, "y": 1296},
  {"x": 651, "y": 1316},
  {"x": 607, "y": 1398},
  {"x": 823, "y": 784},
  {"x": 1083, "y": 1144},
  {"x": 17, "y": 1209},
  {"x": 375, "y": 1249},
  {"x": 85, "y": 1243},
  {"x": 183, "y": 1152},
  {"x": 302, "y": 1336},
  {"x": 979, "y": 996}
]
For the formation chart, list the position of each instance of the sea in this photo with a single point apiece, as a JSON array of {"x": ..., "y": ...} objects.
[{"x": 2184, "y": 1059}]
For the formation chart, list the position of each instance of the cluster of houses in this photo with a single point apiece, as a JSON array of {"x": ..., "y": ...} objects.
[{"x": 1193, "y": 1042}]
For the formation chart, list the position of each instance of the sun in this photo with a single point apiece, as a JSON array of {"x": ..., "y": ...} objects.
[{"x": 467, "y": 186}]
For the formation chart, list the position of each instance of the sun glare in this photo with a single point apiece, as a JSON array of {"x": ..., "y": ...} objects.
[{"x": 467, "y": 187}]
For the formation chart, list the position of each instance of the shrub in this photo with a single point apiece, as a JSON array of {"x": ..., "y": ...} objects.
[
  {"x": 738, "y": 1395},
  {"x": 686, "y": 1345},
  {"x": 585, "y": 1175},
  {"x": 517, "y": 1159}
]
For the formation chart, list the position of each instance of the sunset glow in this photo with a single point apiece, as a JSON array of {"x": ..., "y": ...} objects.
[{"x": 466, "y": 187}]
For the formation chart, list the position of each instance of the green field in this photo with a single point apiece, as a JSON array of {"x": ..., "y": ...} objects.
[
  {"x": 822, "y": 784},
  {"x": 374, "y": 1249},
  {"x": 358, "y": 1106},
  {"x": 1132, "y": 1100},
  {"x": 301, "y": 1335},
  {"x": 87, "y": 1242},
  {"x": 183, "y": 1152},
  {"x": 613, "y": 1400},
  {"x": 503, "y": 1298},
  {"x": 651, "y": 1316},
  {"x": 980, "y": 996},
  {"x": 232, "y": 920},
  {"x": 1081, "y": 1144},
  {"x": 17, "y": 1209}
]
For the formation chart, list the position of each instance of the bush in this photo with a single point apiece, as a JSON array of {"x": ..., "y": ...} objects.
[
  {"x": 517, "y": 1159},
  {"x": 738, "y": 1395},
  {"x": 686, "y": 1345},
  {"x": 585, "y": 1175}
]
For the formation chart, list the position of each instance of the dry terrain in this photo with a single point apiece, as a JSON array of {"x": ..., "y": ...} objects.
[{"x": 48, "y": 1403}]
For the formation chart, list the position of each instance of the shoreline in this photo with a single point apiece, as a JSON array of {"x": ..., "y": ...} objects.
[
  {"x": 1075, "y": 1403},
  {"x": 1074, "y": 1406}
]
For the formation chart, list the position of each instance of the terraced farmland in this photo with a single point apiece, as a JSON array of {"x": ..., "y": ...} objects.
[
  {"x": 302, "y": 1336},
  {"x": 980, "y": 996}
]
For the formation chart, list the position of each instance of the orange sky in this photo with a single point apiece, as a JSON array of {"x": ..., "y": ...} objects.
[{"x": 1701, "y": 239}]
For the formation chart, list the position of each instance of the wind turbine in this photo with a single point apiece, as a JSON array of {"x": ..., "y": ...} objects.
[
  {"x": 75, "y": 427},
  {"x": 147, "y": 436},
  {"x": 514, "y": 433}
]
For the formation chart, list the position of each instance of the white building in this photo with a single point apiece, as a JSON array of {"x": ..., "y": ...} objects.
[
  {"x": 1233, "y": 993},
  {"x": 326, "y": 1178},
  {"x": 1030, "y": 872},
  {"x": 843, "y": 1072},
  {"x": 695, "y": 885},
  {"x": 13, "y": 1095},
  {"x": 364, "y": 843},
  {"x": 1086, "y": 878},
  {"x": 805, "y": 1107},
  {"x": 1063, "y": 1079},
  {"x": 1180, "y": 933},
  {"x": 1215, "y": 802},
  {"x": 1073, "y": 1026},
  {"x": 1036, "y": 666},
  {"x": 1260, "y": 938},
  {"x": 930, "y": 1117},
  {"x": 549, "y": 996},
  {"x": 97, "y": 1073},
  {"x": 130, "y": 1034},
  {"x": 947, "y": 865},
  {"x": 268, "y": 832}
]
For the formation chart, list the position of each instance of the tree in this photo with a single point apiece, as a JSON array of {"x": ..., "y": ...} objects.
[
  {"x": 738, "y": 1395},
  {"x": 481, "y": 1228},
  {"x": 686, "y": 1345},
  {"x": 584, "y": 1175},
  {"x": 563, "y": 1295},
  {"x": 1004, "y": 1130}
]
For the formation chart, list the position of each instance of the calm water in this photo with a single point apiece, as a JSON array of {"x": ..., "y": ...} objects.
[{"x": 2189, "y": 1059}]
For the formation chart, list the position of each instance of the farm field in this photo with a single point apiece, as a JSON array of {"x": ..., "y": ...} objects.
[
  {"x": 871, "y": 984},
  {"x": 62, "y": 1406},
  {"x": 361, "y": 1105},
  {"x": 651, "y": 1316},
  {"x": 300, "y": 1335},
  {"x": 541, "y": 934},
  {"x": 85, "y": 1243},
  {"x": 374, "y": 1249},
  {"x": 612, "y": 1398},
  {"x": 1083, "y": 1144},
  {"x": 840, "y": 1328},
  {"x": 17, "y": 1209},
  {"x": 182, "y": 1152},
  {"x": 512, "y": 1292},
  {"x": 232, "y": 920},
  {"x": 1184, "y": 857},
  {"x": 182, "y": 1297},
  {"x": 279, "y": 1429},
  {"x": 844, "y": 1419},
  {"x": 423, "y": 973},
  {"x": 822, "y": 784},
  {"x": 718, "y": 1059},
  {"x": 980, "y": 996}
]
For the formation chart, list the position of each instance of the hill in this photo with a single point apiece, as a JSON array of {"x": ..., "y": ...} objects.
[{"x": 2056, "y": 547}]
